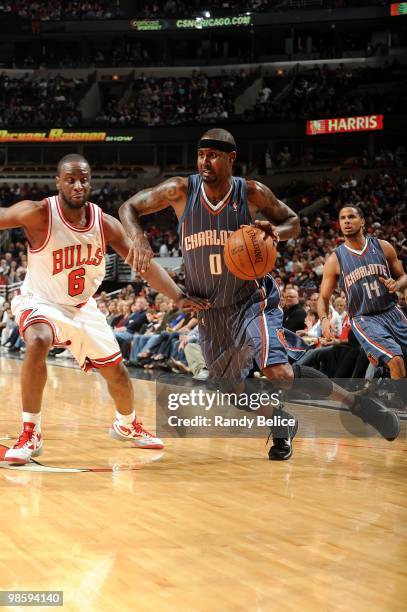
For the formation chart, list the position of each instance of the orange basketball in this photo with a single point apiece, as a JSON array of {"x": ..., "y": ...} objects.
[{"x": 247, "y": 255}]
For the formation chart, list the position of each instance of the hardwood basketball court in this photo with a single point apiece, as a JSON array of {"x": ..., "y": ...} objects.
[{"x": 205, "y": 524}]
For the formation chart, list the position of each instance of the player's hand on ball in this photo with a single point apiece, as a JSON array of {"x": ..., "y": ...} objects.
[
  {"x": 140, "y": 255},
  {"x": 389, "y": 283},
  {"x": 268, "y": 228},
  {"x": 190, "y": 303}
]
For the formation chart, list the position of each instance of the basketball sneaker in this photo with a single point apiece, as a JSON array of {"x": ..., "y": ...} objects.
[
  {"x": 376, "y": 414},
  {"x": 28, "y": 445},
  {"x": 282, "y": 448},
  {"x": 136, "y": 434}
]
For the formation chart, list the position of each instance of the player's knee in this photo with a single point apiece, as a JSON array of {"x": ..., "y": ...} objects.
[
  {"x": 282, "y": 374},
  {"x": 38, "y": 342},
  {"x": 397, "y": 367},
  {"x": 117, "y": 375}
]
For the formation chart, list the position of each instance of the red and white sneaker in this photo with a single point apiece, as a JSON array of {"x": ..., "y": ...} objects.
[
  {"x": 28, "y": 445},
  {"x": 136, "y": 434}
]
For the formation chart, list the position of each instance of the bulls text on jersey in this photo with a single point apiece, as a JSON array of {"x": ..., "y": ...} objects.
[{"x": 76, "y": 255}]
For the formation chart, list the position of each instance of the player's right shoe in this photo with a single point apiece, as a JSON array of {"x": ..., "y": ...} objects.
[
  {"x": 136, "y": 434},
  {"x": 282, "y": 448},
  {"x": 29, "y": 444}
]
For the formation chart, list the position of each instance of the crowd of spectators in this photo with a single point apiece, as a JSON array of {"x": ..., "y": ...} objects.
[
  {"x": 182, "y": 8},
  {"x": 284, "y": 157},
  {"x": 324, "y": 91},
  {"x": 173, "y": 101},
  {"x": 300, "y": 94},
  {"x": 39, "y": 101},
  {"x": 56, "y": 10}
]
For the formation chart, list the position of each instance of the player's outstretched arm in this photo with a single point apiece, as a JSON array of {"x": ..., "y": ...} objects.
[
  {"x": 398, "y": 282},
  {"x": 283, "y": 223},
  {"x": 169, "y": 193},
  {"x": 27, "y": 214},
  {"x": 328, "y": 286},
  {"x": 156, "y": 276}
]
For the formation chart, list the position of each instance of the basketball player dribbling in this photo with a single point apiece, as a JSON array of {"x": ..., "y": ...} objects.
[
  {"x": 67, "y": 241},
  {"x": 370, "y": 273},
  {"x": 245, "y": 320}
]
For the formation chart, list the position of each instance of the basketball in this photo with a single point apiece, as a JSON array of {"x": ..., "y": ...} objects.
[{"x": 247, "y": 255}]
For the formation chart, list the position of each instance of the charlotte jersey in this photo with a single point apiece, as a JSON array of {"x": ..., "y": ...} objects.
[
  {"x": 69, "y": 266},
  {"x": 359, "y": 277},
  {"x": 203, "y": 231}
]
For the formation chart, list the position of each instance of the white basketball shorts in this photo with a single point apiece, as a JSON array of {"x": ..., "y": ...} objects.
[{"x": 84, "y": 331}]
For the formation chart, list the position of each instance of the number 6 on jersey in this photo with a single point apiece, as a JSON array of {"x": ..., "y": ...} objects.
[{"x": 76, "y": 282}]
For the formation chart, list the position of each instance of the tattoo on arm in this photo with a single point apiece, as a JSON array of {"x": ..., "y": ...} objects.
[
  {"x": 275, "y": 211},
  {"x": 148, "y": 201}
]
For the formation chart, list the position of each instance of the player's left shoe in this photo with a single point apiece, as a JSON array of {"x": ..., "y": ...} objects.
[
  {"x": 282, "y": 448},
  {"x": 375, "y": 413},
  {"x": 136, "y": 434}
]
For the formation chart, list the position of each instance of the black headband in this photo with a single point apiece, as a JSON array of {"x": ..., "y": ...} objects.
[{"x": 220, "y": 145}]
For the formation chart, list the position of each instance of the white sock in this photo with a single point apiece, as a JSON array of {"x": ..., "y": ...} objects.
[
  {"x": 33, "y": 417},
  {"x": 125, "y": 419}
]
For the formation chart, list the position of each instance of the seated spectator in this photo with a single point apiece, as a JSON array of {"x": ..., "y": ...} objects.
[
  {"x": 132, "y": 324},
  {"x": 144, "y": 345},
  {"x": 312, "y": 329},
  {"x": 294, "y": 313},
  {"x": 6, "y": 323},
  {"x": 340, "y": 315},
  {"x": 14, "y": 342},
  {"x": 194, "y": 356},
  {"x": 113, "y": 312},
  {"x": 167, "y": 343}
]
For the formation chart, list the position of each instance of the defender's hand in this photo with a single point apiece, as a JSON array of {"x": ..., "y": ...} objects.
[
  {"x": 327, "y": 328},
  {"x": 389, "y": 283},
  {"x": 140, "y": 255},
  {"x": 189, "y": 303}
]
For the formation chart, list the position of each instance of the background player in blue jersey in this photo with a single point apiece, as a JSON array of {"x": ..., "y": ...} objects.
[
  {"x": 245, "y": 320},
  {"x": 370, "y": 273}
]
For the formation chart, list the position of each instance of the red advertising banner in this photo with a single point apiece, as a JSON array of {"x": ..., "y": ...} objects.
[{"x": 344, "y": 124}]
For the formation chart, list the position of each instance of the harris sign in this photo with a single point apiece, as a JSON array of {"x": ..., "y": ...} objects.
[{"x": 339, "y": 125}]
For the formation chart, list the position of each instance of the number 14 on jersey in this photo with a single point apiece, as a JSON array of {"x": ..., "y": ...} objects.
[{"x": 372, "y": 287}]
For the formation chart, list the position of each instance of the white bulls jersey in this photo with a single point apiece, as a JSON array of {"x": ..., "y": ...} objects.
[{"x": 69, "y": 266}]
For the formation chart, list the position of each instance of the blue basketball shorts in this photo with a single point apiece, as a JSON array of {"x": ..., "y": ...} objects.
[
  {"x": 233, "y": 337},
  {"x": 382, "y": 335}
]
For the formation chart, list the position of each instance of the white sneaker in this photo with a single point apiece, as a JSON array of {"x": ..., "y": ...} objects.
[
  {"x": 136, "y": 434},
  {"x": 28, "y": 445},
  {"x": 65, "y": 354}
]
